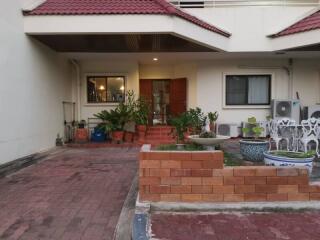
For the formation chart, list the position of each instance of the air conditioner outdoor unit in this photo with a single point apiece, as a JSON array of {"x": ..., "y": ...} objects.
[
  {"x": 250, "y": 134},
  {"x": 286, "y": 109},
  {"x": 228, "y": 129},
  {"x": 312, "y": 112}
]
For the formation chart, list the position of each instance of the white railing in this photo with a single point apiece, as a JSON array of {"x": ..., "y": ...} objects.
[{"x": 226, "y": 3}]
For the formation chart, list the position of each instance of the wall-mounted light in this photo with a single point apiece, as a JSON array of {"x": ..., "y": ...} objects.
[
  {"x": 101, "y": 88},
  {"x": 122, "y": 88},
  {"x": 155, "y": 59}
]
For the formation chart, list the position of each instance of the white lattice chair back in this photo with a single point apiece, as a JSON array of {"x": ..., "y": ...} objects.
[
  {"x": 310, "y": 128},
  {"x": 286, "y": 122},
  {"x": 273, "y": 128}
]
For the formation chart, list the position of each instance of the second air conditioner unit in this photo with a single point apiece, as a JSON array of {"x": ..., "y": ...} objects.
[
  {"x": 228, "y": 129},
  {"x": 312, "y": 112}
]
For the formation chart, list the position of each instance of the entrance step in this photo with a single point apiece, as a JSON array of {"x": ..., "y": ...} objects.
[{"x": 159, "y": 135}]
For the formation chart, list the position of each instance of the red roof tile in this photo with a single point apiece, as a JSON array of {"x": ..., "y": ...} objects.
[
  {"x": 309, "y": 23},
  {"x": 90, "y": 7}
]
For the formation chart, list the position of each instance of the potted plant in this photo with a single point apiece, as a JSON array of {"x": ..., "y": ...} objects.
[
  {"x": 81, "y": 134},
  {"x": 290, "y": 159},
  {"x": 130, "y": 125},
  {"x": 115, "y": 121},
  {"x": 197, "y": 120},
  {"x": 140, "y": 117},
  {"x": 213, "y": 117},
  {"x": 253, "y": 149},
  {"x": 180, "y": 124}
]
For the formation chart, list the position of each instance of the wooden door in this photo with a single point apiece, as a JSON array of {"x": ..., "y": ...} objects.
[
  {"x": 178, "y": 96},
  {"x": 146, "y": 93}
]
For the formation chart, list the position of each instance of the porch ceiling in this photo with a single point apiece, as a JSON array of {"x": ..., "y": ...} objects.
[{"x": 120, "y": 43}]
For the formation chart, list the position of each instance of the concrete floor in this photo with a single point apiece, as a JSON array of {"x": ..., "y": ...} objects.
[{"x": 75, "y": 194}]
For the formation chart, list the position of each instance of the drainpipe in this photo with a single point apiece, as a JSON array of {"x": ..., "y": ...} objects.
[
  {"x": 78, "y": 87},
  {"x": 290, "y": 73}
]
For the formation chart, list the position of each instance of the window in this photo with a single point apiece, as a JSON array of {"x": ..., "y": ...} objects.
[
  {"x": 105, "y": 89},
  {"x": 248, "y": 89}
]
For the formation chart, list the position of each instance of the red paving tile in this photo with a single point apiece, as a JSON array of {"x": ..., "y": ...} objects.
[
  {"x": 237, "y": 226},
  {"x": 75, "y": 194}
]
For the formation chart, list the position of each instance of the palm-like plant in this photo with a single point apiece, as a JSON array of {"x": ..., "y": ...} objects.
[{"x": 114, "y": 120}]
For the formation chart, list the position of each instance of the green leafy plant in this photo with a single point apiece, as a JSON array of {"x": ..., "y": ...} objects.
[
  {"x": 114, "y": 120},
  {"x": 141, "y": 111},
  {"x": 299, "y": 155},
  {"x": 197, "y": 119},
  {"x": 187, "y": 147},
  {"x": 180, "y": 124},
  {"x": 254, "y": 127},
  {"x": 213, "y": 116},
  {"x": 208, "y": 135}
]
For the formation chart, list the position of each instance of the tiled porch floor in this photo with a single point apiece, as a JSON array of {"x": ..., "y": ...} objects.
[{"x": 76, "y": 194}]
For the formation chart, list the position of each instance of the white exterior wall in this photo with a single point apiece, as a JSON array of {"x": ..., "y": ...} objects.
[
  {"x": 306, "y": 81},
  {"x": 205, "y": 82},
  {"x": 34, "y": 82}
]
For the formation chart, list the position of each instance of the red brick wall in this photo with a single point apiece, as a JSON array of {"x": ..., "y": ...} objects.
[{"x": 201, "y": 176}]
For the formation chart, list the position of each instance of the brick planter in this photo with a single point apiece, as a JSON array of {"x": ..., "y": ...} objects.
[{"x": 201, "y": 177}]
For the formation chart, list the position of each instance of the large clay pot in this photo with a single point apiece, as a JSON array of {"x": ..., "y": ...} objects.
[
  {"x": 253, "y": 150},
  {"x": 128, "y": 137},
  {"x": 81, "y": 135},
  {"x": 117, "y": 136}
]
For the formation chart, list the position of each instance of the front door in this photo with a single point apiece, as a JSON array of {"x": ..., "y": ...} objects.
[{"x": 167, "y": 97}]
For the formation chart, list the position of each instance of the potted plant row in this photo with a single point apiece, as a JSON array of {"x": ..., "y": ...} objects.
[{"x": 133, "y": 111}]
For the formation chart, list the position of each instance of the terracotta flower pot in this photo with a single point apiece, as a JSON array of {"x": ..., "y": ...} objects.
[
  {"x": 142, "y": 130},
  {"x": 128, "y": 137},
  {"x": 117, "y": 136},
  {"x": 81, "y": 135}
]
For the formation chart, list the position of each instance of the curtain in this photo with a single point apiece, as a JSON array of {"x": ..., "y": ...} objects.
[{"x": 258, "y": 90}]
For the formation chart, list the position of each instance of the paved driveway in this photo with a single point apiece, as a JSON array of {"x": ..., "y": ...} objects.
[
  {"x": 237, "y": 226},
  {"x": 75, "y": 194}
]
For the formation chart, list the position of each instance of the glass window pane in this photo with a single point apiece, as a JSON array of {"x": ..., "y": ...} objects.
[
  {"x": 115, "y": 89},
  {"x": 236, "y": 87},
  {"x": 258, "y": 89}
]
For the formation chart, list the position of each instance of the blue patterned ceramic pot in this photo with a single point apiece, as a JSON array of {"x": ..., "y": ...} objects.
[
  {"x": 252, "y": 150},
  {"x": 281, "y": 161}
]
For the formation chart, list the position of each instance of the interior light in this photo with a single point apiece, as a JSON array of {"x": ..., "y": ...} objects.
[
  {"x": 101, "y": 87},
  {"x": 155, "y": 59},
  {"x": 119, "y": 78},
  {"x": 122, "y": 88}
]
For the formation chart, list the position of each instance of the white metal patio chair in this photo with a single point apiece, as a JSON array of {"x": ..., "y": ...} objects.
[
  {"x": 274, "y": 129},
  {"x": 286, "y": 128},
  {"x": 310, "y": 133}
]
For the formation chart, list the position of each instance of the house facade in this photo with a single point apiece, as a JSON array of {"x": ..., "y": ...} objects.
[{"x": 232, "y": 57}]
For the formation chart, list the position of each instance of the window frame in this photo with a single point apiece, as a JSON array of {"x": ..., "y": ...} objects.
[
  {"x": 247, "y": 106},
  {"x": 106, "y": 75}
]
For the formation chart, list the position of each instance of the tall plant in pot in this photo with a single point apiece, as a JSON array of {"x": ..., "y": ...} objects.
[
  {"x": 197, "y": 120},
  {"x": 213, "y": 117},
  {"x": 140, "y": 116},
  {"x": 253, "y": 149},
  {"x": 180, "y": 124}
]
